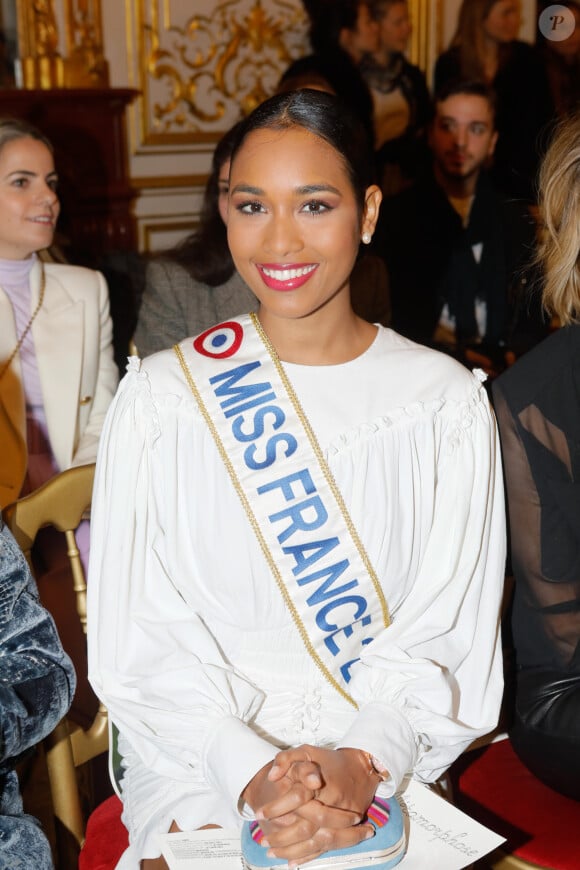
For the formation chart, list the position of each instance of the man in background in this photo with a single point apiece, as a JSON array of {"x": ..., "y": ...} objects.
[{"x": 456, "y": 250}]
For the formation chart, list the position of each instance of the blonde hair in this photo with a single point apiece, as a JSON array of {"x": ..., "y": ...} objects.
[
  {"x": 16, "y": 128},
  {"x": 559, "y": 246}
]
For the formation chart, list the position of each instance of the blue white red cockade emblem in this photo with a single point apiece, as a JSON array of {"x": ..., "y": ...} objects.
[{"x": 221, "y": 341}]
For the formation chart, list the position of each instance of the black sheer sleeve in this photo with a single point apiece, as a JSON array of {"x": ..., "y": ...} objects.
[
  {"x": 544, "y": 514},
  {"x": 537, "y": 404}
]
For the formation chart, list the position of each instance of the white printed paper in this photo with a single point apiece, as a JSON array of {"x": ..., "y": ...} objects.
[
  {"x": 439, "y": 837},
  {"x": 213, "y": 849}
]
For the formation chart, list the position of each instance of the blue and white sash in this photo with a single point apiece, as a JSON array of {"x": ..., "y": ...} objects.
[{"x": 288, "y": 492}]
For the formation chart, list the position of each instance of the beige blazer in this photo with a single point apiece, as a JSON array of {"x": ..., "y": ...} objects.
[{"x": 73, "y": 337}]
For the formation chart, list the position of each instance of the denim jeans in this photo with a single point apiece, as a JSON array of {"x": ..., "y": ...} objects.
[{"x": 37, "y": 683}]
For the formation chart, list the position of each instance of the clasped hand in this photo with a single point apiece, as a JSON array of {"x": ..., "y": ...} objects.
[{"x": 312, "y": 800}]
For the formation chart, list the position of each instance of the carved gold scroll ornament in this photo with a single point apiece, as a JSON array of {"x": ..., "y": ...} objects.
[{"x": 43, "y": 66}]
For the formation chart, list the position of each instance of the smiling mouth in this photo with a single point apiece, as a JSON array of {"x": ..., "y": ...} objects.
[
  {"x": 46, "y": 220},
  {"x": 286, "y": 277},
  {"x": 287, "y": 273}
]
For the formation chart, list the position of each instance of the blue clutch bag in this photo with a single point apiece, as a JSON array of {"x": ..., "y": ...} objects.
[{"x": 381, "y": 852}]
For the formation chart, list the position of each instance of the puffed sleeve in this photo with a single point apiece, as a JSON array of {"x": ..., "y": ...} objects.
[
  {"x": 106, "y": 380},
  {"x": 37, "y": 678},
  {"x": 432, "y": 682},
  {"x": 152, "y": 659}
]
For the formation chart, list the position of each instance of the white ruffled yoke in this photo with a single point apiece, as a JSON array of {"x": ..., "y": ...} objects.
[{"x": 191, "y": 646}]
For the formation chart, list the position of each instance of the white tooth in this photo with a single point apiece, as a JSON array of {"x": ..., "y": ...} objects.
[{"x": 288, "y": 274}]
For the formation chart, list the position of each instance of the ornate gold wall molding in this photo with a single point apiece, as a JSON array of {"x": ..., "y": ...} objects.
[
  {"x": 419, "y": 43},
  {"x": 43, "y": 65},
  {"x": 202, "y": 72},
  {"x": 41, "y": 62},
  {"x": 427, "y": 37},
  {"x": 85, "y": 65}
]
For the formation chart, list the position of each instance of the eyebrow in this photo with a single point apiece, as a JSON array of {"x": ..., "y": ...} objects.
[
  {"x": 485, "y": 122},
  {"x": 306, "y": 190},
  {"x": 52, "y": 174}
]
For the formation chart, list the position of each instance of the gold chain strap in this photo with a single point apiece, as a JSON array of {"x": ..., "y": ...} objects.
[{"x": 6, "y": 365}]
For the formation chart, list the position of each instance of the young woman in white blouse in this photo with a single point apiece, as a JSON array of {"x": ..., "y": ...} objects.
[
  {"x": 298, "y": 531},
  {"x": 57, "y": 372}
]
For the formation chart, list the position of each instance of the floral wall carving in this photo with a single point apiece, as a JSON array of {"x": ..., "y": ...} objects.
[{"x": 201, "y": 73}]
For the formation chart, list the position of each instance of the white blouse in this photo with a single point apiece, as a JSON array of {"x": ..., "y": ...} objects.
[{"x": 191, "y": 646}]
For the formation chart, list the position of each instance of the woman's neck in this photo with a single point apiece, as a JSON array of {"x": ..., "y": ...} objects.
[
  {"x": 15, "y": 273},
  {"x": 322, "y": 338},
  {"x": 387, "y": 58}
]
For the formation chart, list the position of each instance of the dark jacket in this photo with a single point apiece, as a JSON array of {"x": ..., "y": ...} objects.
[{"x": 430, "y": 262}]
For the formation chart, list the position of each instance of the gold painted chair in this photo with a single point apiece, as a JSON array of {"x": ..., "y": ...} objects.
[{"x": 61, "y": 503}]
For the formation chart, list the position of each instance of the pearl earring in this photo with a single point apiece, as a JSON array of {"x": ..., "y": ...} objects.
[{"x": 366, "y": 238}]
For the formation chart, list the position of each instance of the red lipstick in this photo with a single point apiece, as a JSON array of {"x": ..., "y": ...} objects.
[{"x": 286, "y": 276}]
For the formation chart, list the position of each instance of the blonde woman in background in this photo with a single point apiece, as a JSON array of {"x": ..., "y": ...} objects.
[{"x": 57, "y": 373}]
